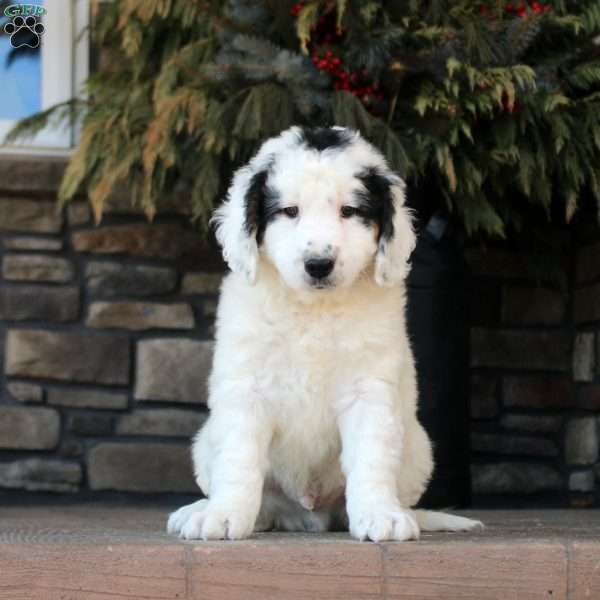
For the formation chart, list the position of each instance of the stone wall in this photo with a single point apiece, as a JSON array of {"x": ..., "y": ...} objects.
[
  {"x": 581, "y": 437},
  {"x": 105, "y": 346},
  {"x": 104, "y": 339},
  {"x": 535, "y": 391}
]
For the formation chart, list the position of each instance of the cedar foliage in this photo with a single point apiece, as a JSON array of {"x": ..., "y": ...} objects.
[{"x": 498, "y": 112}]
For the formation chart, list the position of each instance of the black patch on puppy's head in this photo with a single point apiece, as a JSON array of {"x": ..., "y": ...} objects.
[
  {"x": 376, "y": 201},
  {"x": 261, "y": 204},
  {"x": 323, "y": 138}
]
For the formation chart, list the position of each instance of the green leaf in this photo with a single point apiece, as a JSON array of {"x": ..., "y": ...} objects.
[
  {"x": 453, "y": 65},
  {"x": 307, "y": 18},
  {"x": 341, "y": 11}
]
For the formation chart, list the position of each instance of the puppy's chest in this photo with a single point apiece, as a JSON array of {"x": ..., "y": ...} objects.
[{"x": 310, "y": 352}]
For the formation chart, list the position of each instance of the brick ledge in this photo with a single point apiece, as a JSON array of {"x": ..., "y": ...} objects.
[{"x": 96, "y": 551}]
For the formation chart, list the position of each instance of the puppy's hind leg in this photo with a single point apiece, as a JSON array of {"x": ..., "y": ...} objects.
[{"x": 282, "y": 514}]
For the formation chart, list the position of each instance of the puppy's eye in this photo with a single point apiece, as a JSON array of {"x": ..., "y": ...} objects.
[
  {"x": 290, "y": 211},
  {"x": 348, "y": 211}
]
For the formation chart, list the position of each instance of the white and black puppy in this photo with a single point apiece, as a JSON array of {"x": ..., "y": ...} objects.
[{"x": 313, "y": 392}]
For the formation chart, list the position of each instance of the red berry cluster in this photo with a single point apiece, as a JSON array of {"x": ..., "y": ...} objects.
[
  {"x": 522, "y": 9},
  {"x": 324, "y": 34},
  {"x": 358, "y": 83}
]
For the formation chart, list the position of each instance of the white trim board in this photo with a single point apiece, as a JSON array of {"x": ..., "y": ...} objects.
[{"x": 64, "y": 68}]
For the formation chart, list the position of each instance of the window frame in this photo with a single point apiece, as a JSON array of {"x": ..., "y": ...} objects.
[{"x": 64, "y": 69}]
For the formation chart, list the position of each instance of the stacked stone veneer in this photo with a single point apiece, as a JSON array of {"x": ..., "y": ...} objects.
[
  {"x": 105, "y": 343},
  {"x": 105, "y": 347},
  {"x": 535, "y": 385},
  {"x": 582, "y": 438}
]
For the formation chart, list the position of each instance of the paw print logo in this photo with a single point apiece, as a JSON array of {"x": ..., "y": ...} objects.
[{"x": 24, "y": 31}]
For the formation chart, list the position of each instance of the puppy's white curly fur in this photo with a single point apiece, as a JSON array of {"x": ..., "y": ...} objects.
[{"x": 313, "y": 391}]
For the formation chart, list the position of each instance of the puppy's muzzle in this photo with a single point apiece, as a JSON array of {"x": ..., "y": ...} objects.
[{"x": 319, "y": 268}]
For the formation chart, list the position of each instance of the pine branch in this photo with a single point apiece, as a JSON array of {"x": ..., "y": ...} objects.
[{"x": 497, "y": 113}]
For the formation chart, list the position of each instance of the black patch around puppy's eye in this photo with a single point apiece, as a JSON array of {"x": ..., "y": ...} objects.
[
  {"x": 323, "y": 138},
  {"x": 376, "y": 201},
  {"x": 254, "y": 200},
  {"x": 261, "y": 205}
]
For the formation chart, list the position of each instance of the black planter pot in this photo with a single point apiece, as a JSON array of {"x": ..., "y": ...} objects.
[{"x": 438, "y": 327}]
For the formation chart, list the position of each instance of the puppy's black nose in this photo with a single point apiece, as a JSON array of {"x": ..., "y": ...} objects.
[{"x": 318, "y": 268}]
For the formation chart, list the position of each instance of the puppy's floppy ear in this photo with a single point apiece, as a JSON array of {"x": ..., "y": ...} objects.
[
  {"x": 237, "y": 221},
  {"x": 397, "y": 238}
]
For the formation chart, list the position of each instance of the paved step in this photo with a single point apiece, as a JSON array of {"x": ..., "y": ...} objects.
[{"x": 97, "y": 551}]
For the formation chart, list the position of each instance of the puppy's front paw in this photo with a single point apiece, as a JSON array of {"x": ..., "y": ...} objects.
[
  {"x": 207, "y": 520},
  {"x": 383, "y": 521},
  {"x": 180, "y": 517}
]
